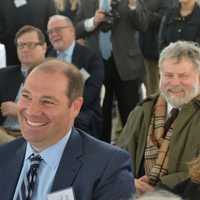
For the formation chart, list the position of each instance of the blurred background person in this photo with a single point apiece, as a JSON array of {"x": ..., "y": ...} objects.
[
  {"x": 17, "y": 13},
  {"x": 31, "y": 49},
  {"x": 181, "y": 23},
  {"x": 148, "y": 39},
  {"x": 67, "y": 8},
  {"x": 107, "y": 28}
]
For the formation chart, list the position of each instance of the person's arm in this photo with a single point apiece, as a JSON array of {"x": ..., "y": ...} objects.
[
  {"x": 94, "y": 82},
  {"x": 162, "y": 34},
  {"x": 2, "y": 26},
  {"x": 139, "y": 15},
  {"x": 174, "y": 178},
  {"x": 86, "y": 26},
  {"x": 90, "y": 110}
]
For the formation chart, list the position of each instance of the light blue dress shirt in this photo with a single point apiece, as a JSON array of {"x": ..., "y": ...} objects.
[
  {"x": 47, "y": 170},
  {"x": 67, "y": 54}
]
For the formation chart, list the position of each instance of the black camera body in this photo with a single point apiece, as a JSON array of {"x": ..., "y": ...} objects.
[{"x": 111, "y": 17}]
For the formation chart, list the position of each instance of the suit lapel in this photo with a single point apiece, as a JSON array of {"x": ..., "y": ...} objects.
[
  {"x": 70, "y": 163},
  {"x": 76, "y": 57},
  {"x": 11, "y": 171},
  {"x": 185, "y": 115}
]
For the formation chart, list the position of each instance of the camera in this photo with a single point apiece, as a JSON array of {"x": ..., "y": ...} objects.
[{"x": 111, "y": 17}]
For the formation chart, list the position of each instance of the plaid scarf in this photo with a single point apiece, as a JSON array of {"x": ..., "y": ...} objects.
[{"x": 156, "y": 152}]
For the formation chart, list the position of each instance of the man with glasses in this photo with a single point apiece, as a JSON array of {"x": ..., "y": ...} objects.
[
  {"x": 31, "y": 49},
  {"x": 62, "y": 37}
]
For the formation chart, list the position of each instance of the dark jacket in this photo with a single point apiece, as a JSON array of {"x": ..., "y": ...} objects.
[
  {"x": 95, "y": 170},
  {"x": 34, "y": 12},
  {"x": 174, "y": 27}
]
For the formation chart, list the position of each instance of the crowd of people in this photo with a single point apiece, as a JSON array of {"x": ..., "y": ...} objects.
[{"x": 55, "y": 121}]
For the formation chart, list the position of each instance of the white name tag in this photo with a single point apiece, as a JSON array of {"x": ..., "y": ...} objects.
[
  {"x": 85, "y": 74},
  {"x": 67, "y": 194},
  {"x": 19, "y": 3}
]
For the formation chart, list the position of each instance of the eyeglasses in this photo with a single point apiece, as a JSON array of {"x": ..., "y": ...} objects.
[
  {"x": 57, "y": 29},
  {"x": 29, "y": 45}
]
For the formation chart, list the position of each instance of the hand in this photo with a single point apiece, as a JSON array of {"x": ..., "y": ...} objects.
[
  {"x": 9, "y": 108},
  {"x": 81, "y": 41},
  {"x": 142, "y": 185},
  {"x": 132, "y": 3},
  {"x": 99, "y": 17}
]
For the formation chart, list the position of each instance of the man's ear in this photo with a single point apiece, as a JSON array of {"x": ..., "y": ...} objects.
[{"x": 76, "y": 106}]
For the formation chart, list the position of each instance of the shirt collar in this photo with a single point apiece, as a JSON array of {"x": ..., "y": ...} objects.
[
  {"x": 69, "y": 51},
  {"x": 170, "y": 107},
  {"x": 24, "y": 71},
  {"x": 52, "y": 154}
]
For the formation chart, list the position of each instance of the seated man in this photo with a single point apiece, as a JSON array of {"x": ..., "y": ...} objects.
[
  {"x": 31, "y": 49},
  {"x": 161, "y": 143},
  {"x": 62, "y": 37},
  {"x": 51, "y": 148}
]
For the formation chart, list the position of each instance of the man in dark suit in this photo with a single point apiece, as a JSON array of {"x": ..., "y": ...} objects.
[
  {"x": 50, "y": 101},
  {"x": 124, "y": 67},
  {"x": 16, "y": 13},
  {"x": 62, "y": 37},
  {"x": 31, "y": 49}
]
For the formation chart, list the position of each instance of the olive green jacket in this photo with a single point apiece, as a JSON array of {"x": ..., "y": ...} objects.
[{"x": 184, "y": 144}]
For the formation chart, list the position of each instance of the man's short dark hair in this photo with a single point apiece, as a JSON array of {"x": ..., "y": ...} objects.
[{"x": 28, "y": 29}]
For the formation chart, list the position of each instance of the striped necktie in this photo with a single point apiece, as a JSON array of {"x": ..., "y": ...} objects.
[
  {"x": 28, "y": 184},
  {"x": 173, "y": 115}
]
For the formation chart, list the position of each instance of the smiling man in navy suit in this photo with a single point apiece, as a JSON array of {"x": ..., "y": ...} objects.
[{"x": 50, "y": 101}]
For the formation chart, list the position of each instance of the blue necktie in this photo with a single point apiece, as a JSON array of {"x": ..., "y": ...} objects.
[
  {"x": 62, "y": 56},
  {"x": 28, "y": 184},
  {"x": 105, "y": 37}
]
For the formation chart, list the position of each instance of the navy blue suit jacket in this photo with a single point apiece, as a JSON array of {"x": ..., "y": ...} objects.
[
  {"x": 10, "y": 82},
  {"x": 90, "y": 117},
  {"x": 95, "y": 170}
]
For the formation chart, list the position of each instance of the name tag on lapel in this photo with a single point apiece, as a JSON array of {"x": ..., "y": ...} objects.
[
  {"x": 67, "y": 194},
  {"x": 85, "y": 74},
  {"x": 19, "y": 3}
]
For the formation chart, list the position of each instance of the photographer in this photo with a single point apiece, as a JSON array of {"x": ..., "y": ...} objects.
[{"x": 124, "y": 67}]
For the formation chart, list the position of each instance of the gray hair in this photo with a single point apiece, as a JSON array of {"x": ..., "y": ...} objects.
[
  {"x": 62, "y": 17},
  {"x": 159, "y": 195},
  {"x": 179, "y": 50}
]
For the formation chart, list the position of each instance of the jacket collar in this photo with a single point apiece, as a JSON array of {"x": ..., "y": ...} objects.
[{"x": 70, "y": 162}]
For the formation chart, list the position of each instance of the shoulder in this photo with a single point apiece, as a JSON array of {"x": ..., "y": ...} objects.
[
  {"x": 85, "y": 57},
  {"x": 8, "y": 72},
  {"x": 101, "y": 150},
  {"x": 171, "y": 14},
  {"x": 83, "y": 50},
  {"x": 7, "y": 150},
  {"x": 148, "y": 100},
  {"x": 10, "y": 69}
]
